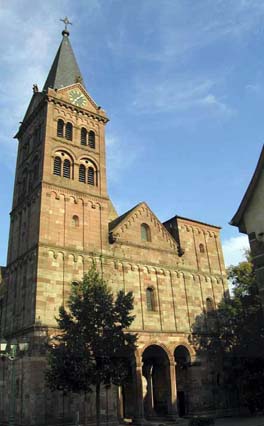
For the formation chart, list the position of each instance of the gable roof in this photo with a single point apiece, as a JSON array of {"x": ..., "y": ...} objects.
[
  {"x": 64, "y": 70},
  {"x": 238, "y": 217},
  {"x": 113, "y": 224},
  {"x": 119, "y": 221}
]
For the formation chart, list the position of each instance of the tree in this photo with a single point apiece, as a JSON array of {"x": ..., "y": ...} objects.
[
  {"x": 92, "y": 347},
  {"x": 234, "y": 335}
]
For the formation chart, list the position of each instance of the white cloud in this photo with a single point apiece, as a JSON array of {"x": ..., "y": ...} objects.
[
  {"x": 180, "y": 94},
  {"x": 234, "y": 249},
  {"x": 211, "y": 101},
  {"x": 254, "y": 88},
  {"x": 117, "y": 157},
  {"x": 177, "y": 31}
]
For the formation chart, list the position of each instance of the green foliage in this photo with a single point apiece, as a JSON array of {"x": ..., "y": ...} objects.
[
  {"x": 91, "y": 347},
  {"x": 234, "y": 335},
  {"x": 201, "y": 421}
]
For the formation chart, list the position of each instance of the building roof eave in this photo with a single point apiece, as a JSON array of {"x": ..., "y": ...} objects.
[{"x": 237, "y": 219}]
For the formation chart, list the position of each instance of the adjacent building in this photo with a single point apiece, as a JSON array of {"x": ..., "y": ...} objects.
[{"x": 249, "y": 219}]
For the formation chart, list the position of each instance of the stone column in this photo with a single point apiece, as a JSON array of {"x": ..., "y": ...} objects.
[
  {"x": 149, "y": 395},
  {"x": 173, "y": 410},
  {"x": 120, "y": 404},
  {"x": 139, "y": 407}
]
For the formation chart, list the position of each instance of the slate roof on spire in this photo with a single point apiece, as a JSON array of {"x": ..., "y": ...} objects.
[{"x": 64, "y": 70}]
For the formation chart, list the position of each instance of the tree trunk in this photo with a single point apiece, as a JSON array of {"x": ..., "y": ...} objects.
[
  {"x": 98, "y": 404},
  {"x": 85, "y": 409}
]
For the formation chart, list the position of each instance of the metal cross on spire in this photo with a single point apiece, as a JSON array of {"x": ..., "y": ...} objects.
[{"x": 66, "y": 22}]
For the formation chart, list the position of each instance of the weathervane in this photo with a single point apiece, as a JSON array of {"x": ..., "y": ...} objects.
[{"x": 66, "y": 22}]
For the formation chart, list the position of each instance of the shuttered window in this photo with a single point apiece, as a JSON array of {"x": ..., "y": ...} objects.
[
  {"x": 68, "y": 132},
  {"x": 83, "y": 136},
  {"x": 91, "y": 176},
  {"x": 57, "y": 166},
  {"x": 60, "y": 128},
  {"x": 67, "y": 169},
  {"x": 82, "y": 173},
  {"x": 91, "y": 139}
]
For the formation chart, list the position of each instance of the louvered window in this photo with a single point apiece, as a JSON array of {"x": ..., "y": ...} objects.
[
  {"x": 67, "y": 169},
  {"x": 82, "y": 173},
  {"x": 150, "y": 299},
  {"x": 57, "y": 166},
  {"x": 90, "y": 176},
  {"x": 83, "y": 136},
  {"x": 68, "y": 132},
  {"x": 91, "y": 141},
  {"x": 60, "y": 128}
]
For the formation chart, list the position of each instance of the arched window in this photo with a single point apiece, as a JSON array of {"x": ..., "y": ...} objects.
[
  {"x": 83, "y": 136},
  {"x": 201, "y": 248},
  {"x": 75, "y": 221},
  {"x": 60, "y": 128},
  {"x": 57, "y": 166},
  {"x": 68, "y": 132},
  {"x": 91, "y": 175},
  {"x": 209, "y": 304},
  {"x": 82, "y": 173},
  {"x": 91, "y": 139},
  {"x": 67, "y": 169},
  {"x": 150, "y": 299},
  {"x": 145, "y": 232}
]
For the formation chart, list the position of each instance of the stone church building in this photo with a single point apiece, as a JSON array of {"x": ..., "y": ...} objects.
[{"x": 61, "y": 220}]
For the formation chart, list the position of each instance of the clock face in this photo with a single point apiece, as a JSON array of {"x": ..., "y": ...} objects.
[{"x": 77, "y": 98}]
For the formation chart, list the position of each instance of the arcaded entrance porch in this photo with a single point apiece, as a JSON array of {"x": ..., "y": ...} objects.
[{"x": 158, "y": 385}]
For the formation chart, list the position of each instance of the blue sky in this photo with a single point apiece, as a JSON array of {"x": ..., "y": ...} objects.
[{"x": 182, "y": 83}]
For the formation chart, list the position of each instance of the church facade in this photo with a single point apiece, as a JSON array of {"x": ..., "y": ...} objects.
[{"x": 62, "y": 220}]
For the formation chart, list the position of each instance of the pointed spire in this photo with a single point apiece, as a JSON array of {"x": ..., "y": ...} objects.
[{"x": 64, "y": 70}]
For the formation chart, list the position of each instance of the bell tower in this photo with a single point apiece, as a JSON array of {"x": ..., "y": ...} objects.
[{"x": 60, "y": 210}]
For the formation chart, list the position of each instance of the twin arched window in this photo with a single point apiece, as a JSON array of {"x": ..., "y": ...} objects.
[
  {"x": 62, "y": 165},
  {"x": 87, "y": 138},
  {"x": 150, "y": 299},
  {"x": 88, "y": 172},
  {"x": 145, "y": 232},
  {"x": 64, "y": 130}
]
